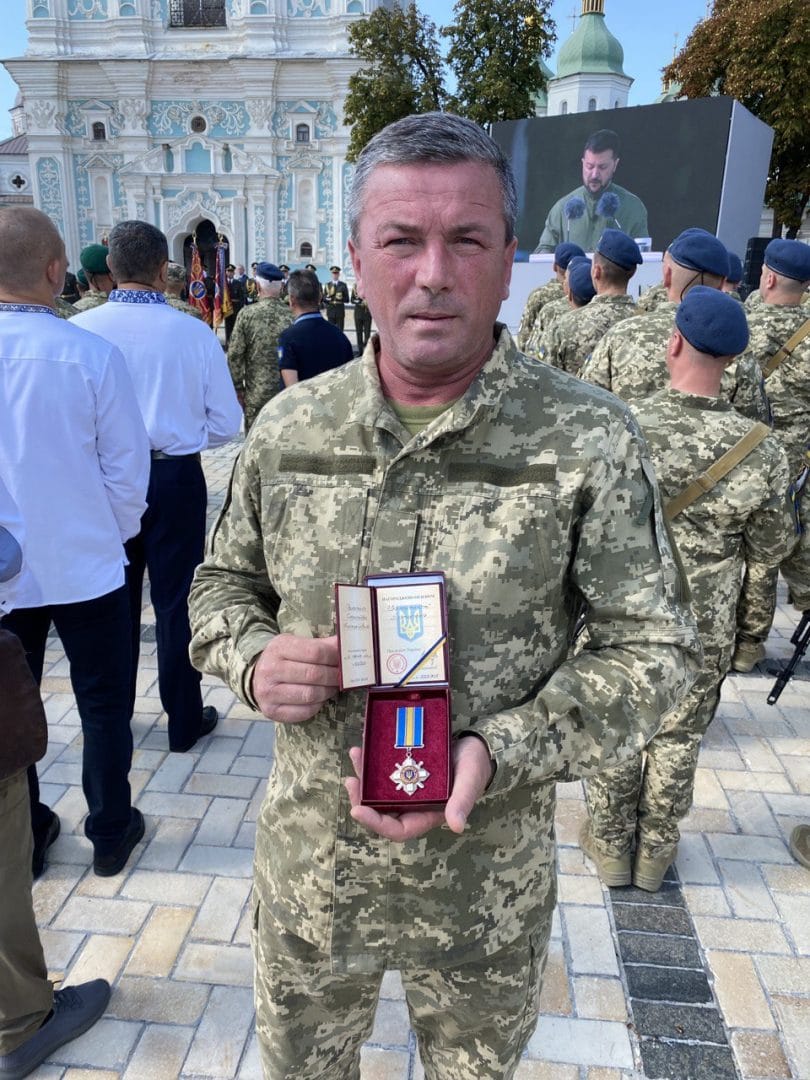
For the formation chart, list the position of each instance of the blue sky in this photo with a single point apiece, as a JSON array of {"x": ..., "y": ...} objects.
[{"x": 645, "y": 28}]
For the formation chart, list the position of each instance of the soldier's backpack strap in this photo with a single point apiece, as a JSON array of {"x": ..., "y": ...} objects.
[
  {"x": 786, "y": 349},
  {"x": 707, "y": 480}
]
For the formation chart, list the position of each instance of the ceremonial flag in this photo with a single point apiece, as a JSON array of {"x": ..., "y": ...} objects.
[
  {"x": 197, "y": 294},
  {"x": 222, "y": 295}
]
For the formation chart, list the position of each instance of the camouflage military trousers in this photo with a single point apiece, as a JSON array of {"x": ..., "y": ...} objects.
[
  {"x": 796, "y": 567},
  {"x": 643, "y": 799},
  {"x": 471, "y": 1021},
  {"x": 757, "y": 604}
]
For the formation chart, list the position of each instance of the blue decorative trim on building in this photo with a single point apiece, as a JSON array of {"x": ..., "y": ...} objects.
[
  {"x": 172, "y": 118},
  {"x": 49, "y": 183},
  {"x": 259, "y": 233},
  {"x": 160, "y": 10},
  {"x": 258, "y": 7},
  {"x": 326, "y": 203},
  {"x": 87, "y": 9},
  {"x": 84, "y": 196},
  {"x": 306, "y": 9},
  {"x": 76, "y": 121},
  {"x": 126, "y": 8},
  {"x": 347, "y": 179},
  {"x": 285, "y": 229},
  {"x": 285, "y": 112},
  {"x": 41, "y": 9},
  {"x": 226, "y": 193}
]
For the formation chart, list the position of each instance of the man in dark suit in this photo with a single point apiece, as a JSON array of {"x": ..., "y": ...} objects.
[{"x": 311, "y": 345}]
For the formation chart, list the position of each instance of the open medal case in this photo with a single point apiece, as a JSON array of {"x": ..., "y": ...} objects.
[{"x": 392, "y": 638}]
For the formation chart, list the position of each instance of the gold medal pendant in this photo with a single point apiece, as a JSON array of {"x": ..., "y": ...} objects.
[{"x": 409, "y": 776}]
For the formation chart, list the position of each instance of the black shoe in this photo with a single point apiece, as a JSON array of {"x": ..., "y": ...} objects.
[
  {"x": 208, "y": 721},
  {"x": 115, "y": 861},
  {"x": 75, "y": 1009},
  {"x": 42, "y": 845}
]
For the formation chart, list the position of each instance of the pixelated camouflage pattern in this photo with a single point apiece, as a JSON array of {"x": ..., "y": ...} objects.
[
  {"x": 631, "y": 361},
  {"x": 746, "y": 518},
  {"x": 573, "y": 336},
  {"x": 735, "y": 294},
  {"x": 753, "y": 300},
  {"x": 545, "y": 319},
  {"x": 181, "y": 305},
  {"x": 472, "y": 1020},
  {"x": 91, "y": 300},
  {"x": 537, "y": 299},
  {"x": 63, "y": 308},
  {"x": 652, "y": 298},
  {"x": 253, "y": 353},
  {"x": 534, "y": 495}
]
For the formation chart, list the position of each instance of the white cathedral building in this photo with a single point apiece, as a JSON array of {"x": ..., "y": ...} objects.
[{"x": 220, "y": 118}]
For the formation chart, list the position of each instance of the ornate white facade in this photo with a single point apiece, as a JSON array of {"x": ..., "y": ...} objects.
[{"x": 132, "y": 112}]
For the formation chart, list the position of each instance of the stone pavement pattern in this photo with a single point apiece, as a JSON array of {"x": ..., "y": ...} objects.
[{"x": 172, "y": 932}]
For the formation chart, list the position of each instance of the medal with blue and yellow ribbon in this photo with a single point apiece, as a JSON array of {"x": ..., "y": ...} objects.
[{"x": 410, "y": 775}]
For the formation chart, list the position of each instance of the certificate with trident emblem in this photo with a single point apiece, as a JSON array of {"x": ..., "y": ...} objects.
[{"x": 409, "y": 625}]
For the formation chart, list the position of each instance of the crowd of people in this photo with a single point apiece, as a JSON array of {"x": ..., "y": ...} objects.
[{"x": 610, "y": 506}]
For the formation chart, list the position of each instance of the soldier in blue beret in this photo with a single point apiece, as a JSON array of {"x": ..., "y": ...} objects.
[
  {"x": 711, "y": 324},
  {"x": 548, "y": 293},
  {"x": 580, "y": 284},
  {"x": 734, "y": 277},
  {"x": 700, "y": 251},
  {"x": 620, "y": 249}
]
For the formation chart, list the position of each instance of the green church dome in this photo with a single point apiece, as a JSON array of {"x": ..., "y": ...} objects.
[{"x": 591, "y": 49}]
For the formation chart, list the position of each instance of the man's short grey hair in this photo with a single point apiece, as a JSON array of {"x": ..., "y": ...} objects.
[
  {"x": 434, "y": 137},
  {"x": 137, "y": 251}
]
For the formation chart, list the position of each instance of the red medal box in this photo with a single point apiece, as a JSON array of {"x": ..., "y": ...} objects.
[{"x": 392, "y": 639}]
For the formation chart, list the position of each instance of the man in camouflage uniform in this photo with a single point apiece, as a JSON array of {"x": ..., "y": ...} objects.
[
  {"x": 773, "y": 322},
  {"x": 555, "y": 309},
  {"x": 94, "y": 263},
  {"x": 175, "y": 283},
  {"x": 745, "y": 516},
  {"x": 335, "y": 298},
  {"x": 532, "y": 492},
  {"x": 253, "y": 348},
  {"x": 652, "y": 298},
  {"x": 551, "y": 290},
  {"x": 630, "y": 359},
  {"x": 573, "y": 336},
  {"x": 735, "y": 276}
]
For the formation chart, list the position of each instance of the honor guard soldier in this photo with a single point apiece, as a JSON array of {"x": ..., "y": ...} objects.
[
  {"x": 335, "y": 298},
  {"x": 99, "y": 280},
  {"x": 725, "y": 484},
  {"x": 362, "y": 319},
  {"x": 285, "y": 282},
  {"x": 441, "y": 448},
  {"x": 175, "y": 283},
  {"x": 552, "y": 290}
]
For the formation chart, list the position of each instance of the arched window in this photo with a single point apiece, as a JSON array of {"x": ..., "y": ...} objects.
[
  {"x": 563, "y": 108},
  {"x": 305, "y": 250},
  {"x": 99, "y": 132},
  {"x": 592, "y": 104},
  {"x": 302, "y": 133}
]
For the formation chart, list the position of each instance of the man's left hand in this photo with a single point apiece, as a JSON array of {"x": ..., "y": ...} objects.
[{"x": 472, "y": 774}]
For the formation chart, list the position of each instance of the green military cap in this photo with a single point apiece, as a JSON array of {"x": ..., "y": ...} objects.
[{"x": 94, "y": 259}]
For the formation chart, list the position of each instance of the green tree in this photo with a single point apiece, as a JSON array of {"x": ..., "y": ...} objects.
[
  {"x": 758, "y": 51},
  {"x": 495, "y": 53},
  {"x": 402, "y": 72}
]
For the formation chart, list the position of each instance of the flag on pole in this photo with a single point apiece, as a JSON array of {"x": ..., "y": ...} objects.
[
  {"x": 197, "y": 293},
  {"x": 222, "y": 295}
]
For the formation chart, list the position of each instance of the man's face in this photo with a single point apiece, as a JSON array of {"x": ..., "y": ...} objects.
[
  {"x": 229, "y": 275},
  {"x": 433, "y": 264},
  {"x": 598, "y": 170},
  {"x": 335, "y": 275}
]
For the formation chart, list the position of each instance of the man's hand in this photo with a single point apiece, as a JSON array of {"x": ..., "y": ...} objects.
[
  {"x": 472, "y": 774},
  {"x": 294, "y": 676}
]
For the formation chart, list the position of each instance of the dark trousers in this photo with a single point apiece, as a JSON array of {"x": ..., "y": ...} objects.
[
  {"x": 170, "y": 546},
  {"x": 362, "y": 325},
  {"x": 230, "y": 321},
  {"x": 95, "y": 635},
  {"x": 336, "y": 314}
]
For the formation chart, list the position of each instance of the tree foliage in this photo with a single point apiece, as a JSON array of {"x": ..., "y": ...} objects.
[
  {"x": 495, "y": 52},
  {"x": 758, "y": 51},
  {"x": 401, "y": 74}
]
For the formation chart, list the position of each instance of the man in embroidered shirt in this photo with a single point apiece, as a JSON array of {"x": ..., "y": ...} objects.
[
  {"x": 441, "y": 448},
  {"x": 75, "y": 458},
  {"x": 188, "y": 404}
]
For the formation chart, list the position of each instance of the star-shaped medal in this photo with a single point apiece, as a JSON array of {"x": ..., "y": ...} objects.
[{"x": 409, "y": 776}]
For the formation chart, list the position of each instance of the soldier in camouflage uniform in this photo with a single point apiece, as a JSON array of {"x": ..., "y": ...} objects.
[
  {"x": 253, "y": 348},
  {"x": 631, "y": 358},
  {"x": 780, "y": 313},
  {"x": 573, "y": 336},
  {"x": 532, "y": 492},
  {"x": 745, "y": 516},
  {"x": 94, "y": 263},
  {"x": 551, "y": 290},
  {"x": 581, "y": 293},
  {"x": 735, "y": 276},
  {"x": 652, "y": 298},
  {"x": 555, "y": 309},
  {"x": 63, "y": 309},
  {"x": 175, "y": 282}
]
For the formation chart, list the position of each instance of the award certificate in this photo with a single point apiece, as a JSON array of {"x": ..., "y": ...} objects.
[{"x": 410, "y": 633}]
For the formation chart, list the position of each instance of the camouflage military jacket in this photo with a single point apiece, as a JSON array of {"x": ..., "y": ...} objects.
[
  {"x": 745, "y": 518},
  {"x": 652, "y": 298},
  {"x": 181, "y": 305},
  {"x": 537, "y": 299},
  {"x": 90, "y": 300},
  {"x": 533, "y": 494},
  {"x": 631, "y": 361},
  {"x": 545, "y": 319},
  {"x": 253, "y": 352},
  {"x": 788, "y": 387},
  {"x": 572, "y": 337},
  {"x": 64, "y": 309}
]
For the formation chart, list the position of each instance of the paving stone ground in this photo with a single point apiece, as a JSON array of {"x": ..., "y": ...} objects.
[{"x": 709, "y": 979}]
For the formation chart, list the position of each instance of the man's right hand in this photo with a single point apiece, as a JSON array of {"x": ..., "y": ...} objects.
[{"x": 294, "y": 676}]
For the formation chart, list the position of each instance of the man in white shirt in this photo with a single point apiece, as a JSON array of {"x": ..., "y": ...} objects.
[
  {"x": 188, "y": 403},
  {"x": 74, "y": 457}
]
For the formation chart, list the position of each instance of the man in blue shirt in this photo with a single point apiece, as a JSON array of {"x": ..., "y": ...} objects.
[{"x": 311, "y": 345}]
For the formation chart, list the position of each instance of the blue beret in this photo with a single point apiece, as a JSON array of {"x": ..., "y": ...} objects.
[
  {"x": 791, "y": 258},
  {"x": 712, "y": 322},
  {"x": 269, "y": 271},
  {"x": 580, "y": 283},
  {"x": 699, "y": 250},
  {"x": 735, "y": 269},
  {"x": 564, "y": 253},
  {"x": 576, "y": 260},
  {"x": 620, "y": 249}
]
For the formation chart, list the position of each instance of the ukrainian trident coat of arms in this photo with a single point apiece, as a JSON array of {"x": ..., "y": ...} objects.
[{"x": 410, "y": 624}]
